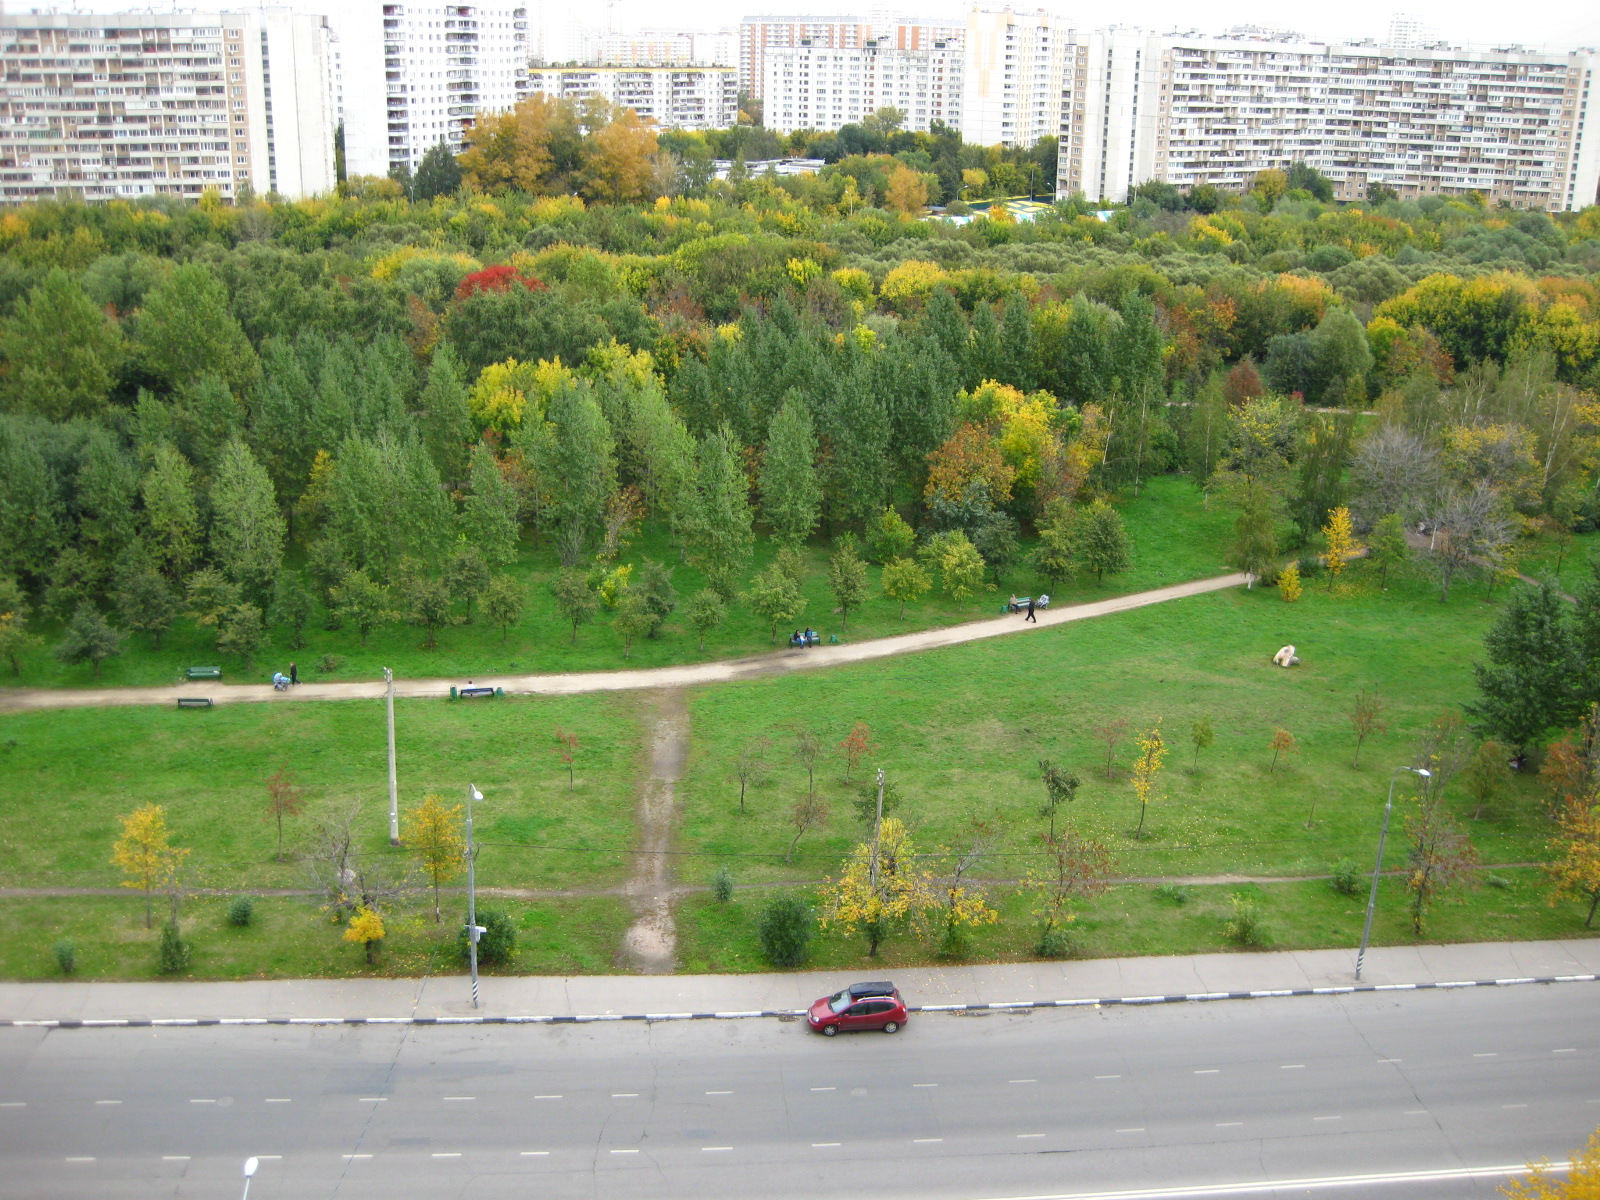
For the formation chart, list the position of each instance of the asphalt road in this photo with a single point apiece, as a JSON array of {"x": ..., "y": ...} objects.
[{"x": 1391, "y": 1095}]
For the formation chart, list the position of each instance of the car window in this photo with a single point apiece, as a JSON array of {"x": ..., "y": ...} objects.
[{"x": 839, "y": 1002}]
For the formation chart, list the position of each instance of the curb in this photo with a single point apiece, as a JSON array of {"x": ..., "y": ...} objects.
[{"x": 997, "y": 1006}]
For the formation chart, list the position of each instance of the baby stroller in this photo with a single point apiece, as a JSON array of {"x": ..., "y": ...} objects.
[{"x": 280, "y": 682}]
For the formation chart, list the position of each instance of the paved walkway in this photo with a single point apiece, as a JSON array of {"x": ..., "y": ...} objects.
[
  {"x": 25, "y": 699},
  {"x": 1117, "y": 980}
]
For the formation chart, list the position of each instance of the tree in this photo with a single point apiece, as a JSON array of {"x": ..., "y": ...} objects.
[
  {"x": 784, "y": 930},
  {"x": 15, "y": 640},
  {"x": 881, "y": 888},
  {"x": 575, "y": 599},
  {"x": 1074, "y": 868},
  {"x": 1105, "y": 546},
  {"x": 1055, "y": 555},
  {"x": 247, "y": 531},
  {"x": 209, "y": 596},
  {"x": 503, "y": 601},
  {"x": 1289, "y": 586},
  {"x": 428, "y": 603},
  {"x": 1342, "y": 544},
  {"x": 962, "y": 901},
  {"x": 88, "y": 638},
  {"x": 655, "y": 590},
  {"x": 292, "y": 605},
  {"x": 856, "y": 746},
  {"x": 619, "y": 165},
  {"x": 62, "y": 353},
  {"x": 444, "y": 420},
  {"x": 807, "y": 746},
  {"x": 905, "y": 579},
  {"x": 960, "y": 566},
  {"x": 187, "y": 331},
  {"x": 243, "y": 633},
  {"x": 567, "y": 752},
  {"x": 467, "y": 575},
  {"x": 146, "y": 602},
  {"x": 718, "y": 522},
  {"x": 1366, "y": 717},
  {"x": 1487, "y": 776},
  {"x": 361, "y": 602},
  {"x": 170, "y": 511},
  {"x": 774, "y": 598},
  {"x": 1202, "y": 735},
  {"x": 577, "y": 458},
  {"x": 1112, "y": 732},
  {"x": 633, "y": 620},
  {"x": 1282, "y": 743},
  {"x": 791, "y": 497},
  {"x": 1152, "y": 753},
  {"x": 889, "y": 537},
  {"x": 432, "y": 829},
  {"x": 1471, "y": 527},
  {"x": 847, "y": 577},
  {"x": 438, "y": 174},
  {"x": 1388, "y": 546},
  {"x": 366, "y": 930},
  {"x": 1393, "y": 471},
  {"x": 284, "y": 799},
  {"x": 1254, "y": 548},
  {"x": 705, "y": 611},
  {"x": 145, "y": 853},
  {"x": 489, "y": 514},
  {"x": 809, "y": 812},
  {"x": 1439, "y": 854},
  {"x": 1575, "y": 871},
  {"x": 1060, "y": 787},
  {"x": 1528, "y": 685},
  {"x": 751, "y": 764}
]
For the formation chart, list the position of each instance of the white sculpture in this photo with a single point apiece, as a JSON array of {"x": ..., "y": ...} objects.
[{"x": 1286, "y": 657}]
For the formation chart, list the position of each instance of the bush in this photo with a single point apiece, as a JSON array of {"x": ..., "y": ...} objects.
[
  {"x": 498, "y": 941},
  {"x": 1310, "y": 566},
  {"x": 1244, "y": 927},
  {"x": 1346, "y": 878},
  {"x": 66, "y": 957},
  {"x": 954, "y": 943},
  {"x": 1055, "y": 942},
  {"x": 241, "y": 910},
  {"x": 785, "y": 929},
  {"x": 175, "y": 953},
  {"x": 329, "y": 663},
  {"x": 1172, "y": 892},
  {"x": 722, "y": 885}
]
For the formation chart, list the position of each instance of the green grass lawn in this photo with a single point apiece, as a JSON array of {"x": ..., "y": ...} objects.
[
  {"x": 1541, "y": 554},
  {"x": 67, "y": 776},
  {"x": 1175, "y": 538}
]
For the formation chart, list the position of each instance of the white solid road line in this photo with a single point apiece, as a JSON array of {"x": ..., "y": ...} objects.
[{"x": 1267, "y": 1187}]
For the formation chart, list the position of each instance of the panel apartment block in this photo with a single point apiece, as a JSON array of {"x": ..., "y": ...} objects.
[
  {"x": 122, "y": 105},
  {"x": 814, "y": 87},
  {"x": 1012, "y": 79},
  {"x": 758, "y": 35},
  {"x": 672, "y": 97},
  {"x": 415, "y": 75}
]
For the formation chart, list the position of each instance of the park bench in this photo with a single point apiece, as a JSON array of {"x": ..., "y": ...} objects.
[
  {"x": 202, "y": 672},
  {"x": 194, "y": 701},
  {"x": 476, "y": 693}
]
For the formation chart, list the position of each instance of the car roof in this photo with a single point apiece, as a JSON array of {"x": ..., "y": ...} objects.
[{"x": 858, "y": 990}]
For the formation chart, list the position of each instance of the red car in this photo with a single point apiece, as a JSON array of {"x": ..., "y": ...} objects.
[{"x": 859, "y": 1006}]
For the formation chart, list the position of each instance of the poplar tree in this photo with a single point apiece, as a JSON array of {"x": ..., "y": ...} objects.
[
  {"x": 577, "y": 458},
  {"x": 790, "y": 495},
  {"x": 248, "y": 530},
  {"x": 489, "y": 515},
  {"x": 719, "y": 531},
  {"x": 443, "y": 417},
  {"x": 170, "y": 513}
]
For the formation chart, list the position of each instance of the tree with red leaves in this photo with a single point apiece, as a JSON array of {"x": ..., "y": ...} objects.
[{"x": 495, "y": 279}]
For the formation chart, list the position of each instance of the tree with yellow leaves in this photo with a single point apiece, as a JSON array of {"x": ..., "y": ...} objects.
[
  {"x": 1342, "y": 544},
  {"x": 366, "y": 927},
  {"x": 1582, "y": 1180},
  {"x": 875, "y": 896},
  {"x": 146, "y": 854},
  {"x": 1289, "y": 586},
  {"x": 1575, "y": 874},
  {"x": 432, "y": 829},
  {"x": 621, "y": 167},
  {"x": 1152, "y": 753},
  {"x": 906, "y": 191}
]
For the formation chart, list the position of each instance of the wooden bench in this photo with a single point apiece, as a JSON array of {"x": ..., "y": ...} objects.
[
  {"x": 194, "y": 702},
  {"x": 202, "y": 672},
  {"x": 476, "y": 693}
]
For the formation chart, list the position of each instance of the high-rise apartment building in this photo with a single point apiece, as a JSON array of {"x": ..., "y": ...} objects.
[
  {"x": 122, "y": 105},
  {"x": 1012, "y": 79},
  {"x": 415, "y": 75},
  {"x": 757, "y": 35},
  {"x": 1517, "y": 125},
  {"x": 818, "y": 87},
  {"x": 672, "y": 97},
  {"x": 654, "y": 48}
]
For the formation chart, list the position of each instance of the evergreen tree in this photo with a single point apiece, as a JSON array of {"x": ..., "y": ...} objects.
[
  {"x": 1530, "y": 684},
  {"x": 170, "y": 512},
  {"x": 790, "y": 496},
  {"x": 719, "y": 531},
  {"x": 424, "y": 516},
  {"x": 577, "y": 458},
  {"x": 986, "y": 357},
  {"x": 847, "y": 577},
  {"x": 187, "y": 330},
  {"x": 438, "y": 174},
  {"x": 489, "y": 515},
  {"x": 88, "y": 638},
  {"x": 443, "y": 417},
  {"x": 146, "y": 602},
  {"x": 62, "y": 353},
  {"x": 1104, "y": 540},
  {"x": 248, "y": 531}
]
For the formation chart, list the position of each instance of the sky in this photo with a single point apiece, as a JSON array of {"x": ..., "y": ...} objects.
[{"x": 1557, "y": 24}]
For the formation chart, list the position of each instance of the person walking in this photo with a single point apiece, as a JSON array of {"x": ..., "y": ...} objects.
[
  {"x": 294, "y": 674},
  {"x": 1030, "y": 616}
]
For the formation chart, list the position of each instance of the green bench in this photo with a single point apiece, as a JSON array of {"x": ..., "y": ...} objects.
[
  {"x": 194, "y": 702},
  {"x": 202, "y": 672}
]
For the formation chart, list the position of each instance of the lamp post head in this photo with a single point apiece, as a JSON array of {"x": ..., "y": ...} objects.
[
  {"x": 476, "y": 794},
  {"x": 1424, "y": 772},
  {"x": 250, "y": 1165}
]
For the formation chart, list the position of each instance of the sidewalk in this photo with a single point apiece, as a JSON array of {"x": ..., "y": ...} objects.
[{"x": 635, "y": 997}]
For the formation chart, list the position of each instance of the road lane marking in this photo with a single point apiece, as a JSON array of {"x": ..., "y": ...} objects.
[
  {"x": 536, "y": 1154},
  {"x": 714, "y": 1149},
  {"x": 719, "y": 1093},
  {"x": 1292, "y": 1067},
  {"x": 1229, "y": 1124},
  {"x": 1135, "y": 1129},
  {"x": 1022, "y": 1081},
  {"x": 924, "y": 1085},
  {"x": 547, "y": 1097},
  {"x": 1327, "y": 1118},
  {"x": 80, "y": 1158},
  {"x": 624, "y": 1095},
  {"x": 1415, "y": 1112},
  {"x": 460, "y": 1097},
  {"x": 1566, "y": 1050},
  {"x": 119, "y": 1102},
  {"x": 1490, "y": 1054},
  {"x": 1276, "y": 1186},
  {"x": 14, "y": 1104},
  {"x": 277, "y": 1100},
  {"x": 822, "y": 1145},
  {"x": 179, "y": 1157},
  {"x": 265, "y": 1157},
  {"x": 624, "y": 1152},
  {"x": 447, "y": 1154},
  {"x": 202, "y": 1102},
  {"x": 373, "y": 1100},
  {"x": 1513, "y": 1106},
  {"x": 1389, "y": 1060},
  {"x": 1030, "y": 1135},
  {"x": 925, "y": 1141},
  {"x": 355, "y": 1156},
  {"x": 1108, "y": 1076},
  {"x": 1209, "y": 1071}
]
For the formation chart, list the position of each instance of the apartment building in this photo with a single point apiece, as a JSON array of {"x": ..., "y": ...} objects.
[
  {"x": 1012, "y": 78},
  {"x": 418, "y": 74},
  {"x": 1517, "y": 125},
  {"x": 815, "y": 87},
  {"x": 654, "y": 48},
  {"x": 672, "y": 97},
  {"x": 121, "y": 105},
  {"x": 759, "y": 35}
]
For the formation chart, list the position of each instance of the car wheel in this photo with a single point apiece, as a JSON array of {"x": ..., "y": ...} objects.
[
  {"x": 829, "y": 1030},
  {"x": 891, "y": 1026}
]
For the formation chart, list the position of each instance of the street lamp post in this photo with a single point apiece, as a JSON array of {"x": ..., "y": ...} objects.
[
  {"x": 394, "y": 791},
  {"x": 473, "y": 928},
  {"x": 877, "y": 832},
  {"x": 1377, "y": 870},
  {"x": 250, "y": 1165}
]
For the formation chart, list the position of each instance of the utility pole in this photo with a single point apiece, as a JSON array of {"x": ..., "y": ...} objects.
[
  {"x": 1383, "y": 836},
  {"x": 473, "y": 928},
  {"x": 877, "y": 831},
  {"x": 394, "y": 791}
]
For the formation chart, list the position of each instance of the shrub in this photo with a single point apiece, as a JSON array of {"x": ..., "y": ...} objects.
[
  {"x": 241, "y": 910},
  {"x": 785, "y": 930},
  {"x": 1244, "y": 927},
  {"x": 1310, "y": 566},
  {"x": 1055, "y": 942},
  {"x": 1172, "y": 892},
  {"x": 329, "y": 663},
  {"x": 174, "y": 954},
  {"x": 722, "y": 885},
  {"x": 1346, "y": 878},
  {"x": 954, "y": 943},
  {"x": 1499, "y": 882},
  {"x": 498, "y": 941},
  {"x": 66, "y": 957}
]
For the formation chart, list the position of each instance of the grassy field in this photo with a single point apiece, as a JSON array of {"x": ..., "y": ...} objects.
[
  {"x": 1175, "y": 538},
  {"x": 67, "y": 776},
  {"x": 1541, "y": 554}
]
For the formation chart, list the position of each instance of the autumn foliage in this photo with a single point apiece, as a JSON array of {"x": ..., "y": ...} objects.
[{"x": 500, "y": 278}]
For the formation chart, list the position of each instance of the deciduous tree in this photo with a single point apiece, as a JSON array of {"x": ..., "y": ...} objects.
[
  {"x": 1112, "y": 732},
  {"x": 243, "y": 633},
  {"x": 1073, "y": 868},
  {"x": 1289, "y": 586},
  {"x": 1366, "y": 718},
  {"x": 366, "y": 930},
  {"x": 877, "y": 893},
  {"x": 705, "y": 611},
  {"x": 62, "y": 353},
  {"x": 809, "y": 812},
  {"x": 489, "y": 514},
  {"x": 146, "y": 602},
  {"x": 1104, "y": 541},
  {"x": 574, "y": 598},
  {"x": 1152, "y": 753},
  {"x": 1575, "y": 871},
  {"x": 433, "y": 830},
  {"x": 1439, "y": 855},
  {"x": 1389, "y": 547},
  {"x": 1202, "y": 735},
  {"x": 187, "y": 330},
  {"x": 751, "y": 764},
  {"x": 146, "y": 855},
  {"x": 1282, "y": 743},
  {"x": 1060, "y": 787},
  {"x": 1580, "y": 1181},
  {"x": 774, "y": 598},
  {"x": 905, "y": 579},
  {"x": 88, "y": 638},
  {"x": 847, "y": 577},
  {"x": 248, "y": 531},
  {"x": 856, "y": 746},
  {"x": 633, "y": 620},
  {"x": 428, "y": 603},
  {"x": 567, "y": 752},
  {"x": 360, "y": 601},
  {"x": 791, "y": 497},
  {"x": 503, "y": 601}
]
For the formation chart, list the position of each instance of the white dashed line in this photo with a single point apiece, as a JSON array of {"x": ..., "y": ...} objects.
[
  {"x": 1490, "y": 1054},
  {"x": 460, "y": 1097},
  {"x": 624, "y": 1095},
  {"x": 13, "y": 1104},
  {"x": 925, "y": 1141},
  {"x": 1566, "y": 1050},
  {"x": 1389, "y": 1060},
  {"x": 202, "y": 1102},
  {"x": 824, "y": 1089},
  {"x": 352, "y": 1157},
  {"x": 266, "y": 1157},
  {"x": 1108, "y": 1076},
  {"x": 277, "y": 1100},
  {"x": 1030, "y": 1135},
  {"x": 715, "y": 1149},
  {"x": 109, "y": 1102},
  {"x": 447, "y": 1154},
  {"x": 1022, "y": 1081},
  {"x": 1135, "y": 1129},
  {"x": 1292, "y": 1067},
  {"x": 719, "y": 1093},
  {"x": 1327, "y": 1118},
  {"x": 1229, "y": 1124},
  {"x": 547, "y": 1097},
  {"x": 1513, "y": 1106},
  {"x": 178, "y": 1157},
  {"x": 373, "y": 1100},
  {"x": 536, "y": 1154},
  {"x": 1210, "y": 1071},
  {"x": 924, "y": 1085},
  {"x": 624, "y": 1152},
  {"x": 81, "y": 1158},
  {"x": 823, "y": 1145}
]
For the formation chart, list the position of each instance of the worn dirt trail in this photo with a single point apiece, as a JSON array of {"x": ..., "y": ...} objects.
[{"x": 650, "y": 945}]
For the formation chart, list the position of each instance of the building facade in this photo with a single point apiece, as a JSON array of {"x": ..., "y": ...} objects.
[
  {"x": 816, "y": 87},
  {"x": 758, "y": 35},
  {"x": 1012, "y": 93},
  {"x": 655, "y": 48},
  {"x": 122, "y": 105},
  {"x": 415, "y": 75},
  {"x": 671, "y": 97}
]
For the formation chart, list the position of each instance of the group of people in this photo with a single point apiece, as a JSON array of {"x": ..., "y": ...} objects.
[
  {"x": 1028, "y": 605},
  {"x": 809, "y": 638},
  {"x": 281, "y": 682}
]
